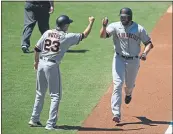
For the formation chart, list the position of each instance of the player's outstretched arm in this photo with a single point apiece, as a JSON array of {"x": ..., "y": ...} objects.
[
  {"x": 89, "y": 27},
  {"x": 103, "y": 33}
]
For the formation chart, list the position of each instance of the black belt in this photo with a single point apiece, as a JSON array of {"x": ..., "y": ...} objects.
[
  {"x": 48, "y": 60},
  {"x": 128, "y": 57}
]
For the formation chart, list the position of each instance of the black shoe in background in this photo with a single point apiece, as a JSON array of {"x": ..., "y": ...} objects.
[
  {"x": 26, "y": 50},
  {"x": 128, "y": 99}
]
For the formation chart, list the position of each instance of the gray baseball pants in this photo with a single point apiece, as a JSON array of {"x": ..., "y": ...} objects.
[
  {"x": 48, "y": 76},
  {"x": 122, "y": 70}
]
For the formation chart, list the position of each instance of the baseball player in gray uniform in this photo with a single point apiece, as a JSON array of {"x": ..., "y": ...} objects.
[
  {"x": 127, "y": 37},
  {"x": 49, "y": 52}
]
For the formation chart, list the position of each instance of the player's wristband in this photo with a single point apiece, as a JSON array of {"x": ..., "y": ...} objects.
[{"x": 104, "y": 25}]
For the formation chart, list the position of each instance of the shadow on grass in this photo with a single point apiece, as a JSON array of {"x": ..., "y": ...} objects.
[{"x": 77, "y": 51}]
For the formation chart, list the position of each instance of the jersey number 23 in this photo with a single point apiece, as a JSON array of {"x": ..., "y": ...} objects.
[{"x": 51, "y": 45}]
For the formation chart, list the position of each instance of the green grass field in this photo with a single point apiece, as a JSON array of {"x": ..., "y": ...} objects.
[{"x": 85, "y": 76}]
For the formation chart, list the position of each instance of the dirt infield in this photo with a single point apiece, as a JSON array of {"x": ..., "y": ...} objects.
[{"x": 151, "y": 108}]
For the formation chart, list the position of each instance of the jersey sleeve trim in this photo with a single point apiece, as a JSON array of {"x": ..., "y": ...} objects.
[
  {"x": 107, "y": 34},
  {"x": 37, "y": 49},
  {"x": 80, "y": 38},
  {"x": 147, "y": 42}
]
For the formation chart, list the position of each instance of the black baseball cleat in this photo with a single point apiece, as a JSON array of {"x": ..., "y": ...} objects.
[
  {"x": 128, "y": 99},
  {"x": 116, "y": 119},
  {"x": 25, "y": 50}
]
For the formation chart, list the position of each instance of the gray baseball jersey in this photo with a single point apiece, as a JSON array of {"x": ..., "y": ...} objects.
[
  {"x": 127, "y": 40},
  {"x": 53, "y": 44}
]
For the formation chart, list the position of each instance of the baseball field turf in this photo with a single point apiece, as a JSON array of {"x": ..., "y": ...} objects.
[{"x": 85, "y": 69}]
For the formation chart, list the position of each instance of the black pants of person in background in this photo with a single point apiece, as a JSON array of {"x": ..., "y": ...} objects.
[{"x": 34, "y": 13}]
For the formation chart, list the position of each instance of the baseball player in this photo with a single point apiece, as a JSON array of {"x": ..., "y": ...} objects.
[
  {"x": 49, "y": 52},
  {"x": 127, "y": 37}
]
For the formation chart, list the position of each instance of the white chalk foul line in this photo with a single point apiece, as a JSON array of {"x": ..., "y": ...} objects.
[{"x": 169, "y": 130}]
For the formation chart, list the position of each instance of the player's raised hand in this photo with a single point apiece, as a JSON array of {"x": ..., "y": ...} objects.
[
  {"x": 91, "y": 19},
  {"x": 105, "y": 21}
]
